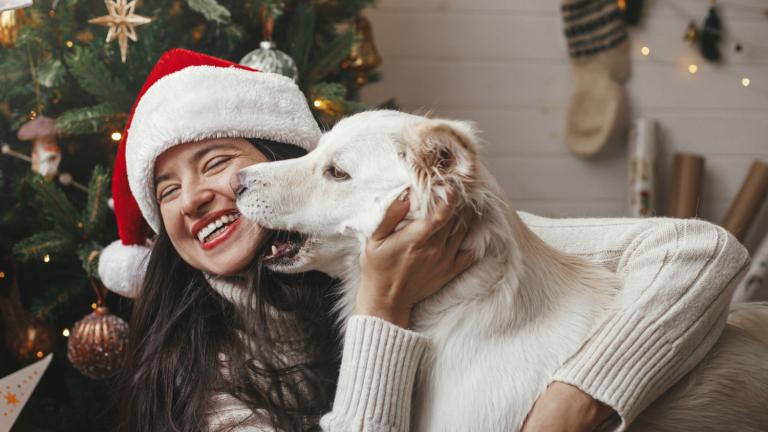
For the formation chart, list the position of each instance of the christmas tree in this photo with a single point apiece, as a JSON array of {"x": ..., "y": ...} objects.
[{"x": 69, "y": 73}]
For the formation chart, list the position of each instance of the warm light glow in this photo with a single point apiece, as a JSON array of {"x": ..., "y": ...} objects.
[
  {"x": 47, "y": 258},
  {"x": 94, "y": 305},
  {"x": 645, "y": 51},
  {"x": 692, "y": 68},
  {"x": 745, "y": 82},
  {"x": 32, "y": 115},
  {"x": 2, "y": 275},
  {"x": 116, "y": 136},
  {"x": 65, "y": 332},
  {"x": 317, "y": 103},
  {"x": 39, "y": 354},
  {"x": 69, "y": 44}
]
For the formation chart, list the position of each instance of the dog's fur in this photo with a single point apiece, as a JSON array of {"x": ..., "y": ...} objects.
[{"x": 504, "y": 326}]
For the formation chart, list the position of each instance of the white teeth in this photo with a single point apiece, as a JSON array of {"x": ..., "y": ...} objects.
[
  {"x": 213, "y": 226},
  {"x": 274, "y": 250}
]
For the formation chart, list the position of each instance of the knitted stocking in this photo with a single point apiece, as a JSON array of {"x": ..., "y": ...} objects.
[{"x": 597, "y": 45}]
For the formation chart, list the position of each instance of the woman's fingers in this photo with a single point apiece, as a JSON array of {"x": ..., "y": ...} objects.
[{"x": 393, "y": 216}]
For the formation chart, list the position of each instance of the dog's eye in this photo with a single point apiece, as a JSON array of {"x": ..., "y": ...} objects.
[{"x": 335, "y": 173}]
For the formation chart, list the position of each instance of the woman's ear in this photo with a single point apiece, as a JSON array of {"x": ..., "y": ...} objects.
[{"x": 442, "y": 153}]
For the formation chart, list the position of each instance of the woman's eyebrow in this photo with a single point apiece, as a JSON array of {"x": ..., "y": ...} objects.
[{"x": 199, "y": 155}]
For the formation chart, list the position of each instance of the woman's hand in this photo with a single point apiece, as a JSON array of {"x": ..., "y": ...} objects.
[
  {"x": 399, "y": 269},
  {"x": 563, "y": 407}
]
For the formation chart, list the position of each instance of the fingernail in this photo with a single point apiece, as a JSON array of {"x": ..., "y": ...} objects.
[{"x": 403, "y": 195}]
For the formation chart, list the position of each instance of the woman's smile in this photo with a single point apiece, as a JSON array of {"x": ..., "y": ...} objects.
[{"x": 216, "y": 228}]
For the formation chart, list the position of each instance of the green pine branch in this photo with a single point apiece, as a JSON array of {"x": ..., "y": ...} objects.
[
  {"x": 96, "y": 207},
  {"x": 56, "y": 298},
  {"x": 88, "y": 120},
  {"x": 329, "y": 58},
  {"x": 56, "y": 207},
  {"x": 41, "y": 244},
  {"x": 301, "y": 34},
  {"x": 84, "y": 253},
  {"x": 94, "y": 77},
  {"x": 211, "y": 10}
]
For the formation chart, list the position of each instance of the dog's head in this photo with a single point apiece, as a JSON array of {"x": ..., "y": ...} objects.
[{"x": 340, "y": 191}]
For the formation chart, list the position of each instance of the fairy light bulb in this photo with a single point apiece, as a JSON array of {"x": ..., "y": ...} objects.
[
  {"x": 745, "y": 82},
  {"x": 65, "y": 332},
  {"x": 69, "y": 44},
  {"x": 693, "y": 68},
  {"x": 317, "y": 103},
  {"x": 116, "y": 136},
  {"x": 645, "y": 51},
  {"x": 46, "y": 258},
  {"x": 94, "y": 306}
]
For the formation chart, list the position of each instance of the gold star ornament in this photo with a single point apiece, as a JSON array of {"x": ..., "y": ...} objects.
[{"x": 122, "y": 23}]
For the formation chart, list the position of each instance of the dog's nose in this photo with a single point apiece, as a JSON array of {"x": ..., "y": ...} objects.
[{"x": 237, "y": 184}]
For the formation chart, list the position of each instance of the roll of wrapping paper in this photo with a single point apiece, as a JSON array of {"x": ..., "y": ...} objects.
[
  {"x": 748, "y": 201},
  {"x": 642, "y": 168},
  {"x": 685, "y": 194},
  {"x": 756, "y": 277}
]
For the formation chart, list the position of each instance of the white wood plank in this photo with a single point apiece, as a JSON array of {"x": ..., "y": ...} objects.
[
  {"x": 544, "y": 84},
  {"x": 541, "y": 131},
  {"x": 452, "y": 34}
]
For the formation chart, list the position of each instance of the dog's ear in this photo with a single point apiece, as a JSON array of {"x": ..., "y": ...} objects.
[{"x": 442, "y": 152}]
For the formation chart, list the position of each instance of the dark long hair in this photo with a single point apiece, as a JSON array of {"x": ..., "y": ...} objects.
[{"x": 180, "y": 326}]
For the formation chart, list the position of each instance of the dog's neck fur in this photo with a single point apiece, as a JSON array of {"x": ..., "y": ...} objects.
[{"x": 519, "y": 287}]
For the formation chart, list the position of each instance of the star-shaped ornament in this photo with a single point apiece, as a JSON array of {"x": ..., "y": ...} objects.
[
  {"x": 11, "y": 399},
  {"x": 122, "y": 23}
]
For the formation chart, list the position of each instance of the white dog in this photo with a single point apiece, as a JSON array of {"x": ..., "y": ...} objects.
[{"x": 513, "y": 318}]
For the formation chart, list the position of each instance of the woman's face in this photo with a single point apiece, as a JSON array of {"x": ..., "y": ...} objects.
[{"x": 197, "y": 204}]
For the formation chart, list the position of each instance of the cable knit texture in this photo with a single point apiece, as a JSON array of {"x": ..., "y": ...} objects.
[{"x": 678, "y": 278}]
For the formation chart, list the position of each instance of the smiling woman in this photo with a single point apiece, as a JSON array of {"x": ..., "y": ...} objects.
[{"x": 218, "y": 341}]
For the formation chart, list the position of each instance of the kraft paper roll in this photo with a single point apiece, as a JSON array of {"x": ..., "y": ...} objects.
[
  {"x": 685, "y": 193},
  {"x": 748, "y": 201}
]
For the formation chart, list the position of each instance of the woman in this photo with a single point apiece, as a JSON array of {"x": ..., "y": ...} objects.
[{"x": 218, "y": 343}]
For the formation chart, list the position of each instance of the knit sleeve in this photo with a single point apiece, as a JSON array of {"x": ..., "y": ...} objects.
[
  {"x": 678, "y": 277},
  {"x": 378, "y": 369}
]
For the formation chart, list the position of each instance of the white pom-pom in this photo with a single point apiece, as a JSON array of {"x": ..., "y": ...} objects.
[{"x": 122, "y": 268}]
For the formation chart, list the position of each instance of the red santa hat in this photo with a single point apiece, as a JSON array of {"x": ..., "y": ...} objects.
[{"x": 189, "y": 97}]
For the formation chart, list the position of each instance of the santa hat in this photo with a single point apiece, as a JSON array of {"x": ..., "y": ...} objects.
[{"x": 189, "y": 97}]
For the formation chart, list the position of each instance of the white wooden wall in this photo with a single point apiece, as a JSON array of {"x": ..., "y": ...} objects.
[{"x": 503, "y": 64}]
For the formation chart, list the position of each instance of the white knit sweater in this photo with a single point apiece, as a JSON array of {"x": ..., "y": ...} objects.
[{"x": 678, "y": 279}]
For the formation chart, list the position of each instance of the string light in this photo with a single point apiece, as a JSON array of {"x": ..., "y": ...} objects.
[
  {"x": 46, "y": 258},
  {"x": 693, "y": 68},
  {"x": 745, "y": 82},
  {"x": 69, "y": 44},
  {"x": 39, "y": 354},
  {"x": 116, "y": 136},
  {"x": 2, "y": 275},
  {"x": 94, "y": 306},
  {"x": 65, "y": 332},
  {"x": 317, "y": 103},
  {"x": 645, "y": 51}
]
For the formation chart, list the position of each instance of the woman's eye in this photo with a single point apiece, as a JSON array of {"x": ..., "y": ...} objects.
[
  {"x": 213, "y": 163},
  {"x": 166, "y": 192},
  {"x": 336, "y": 173}
]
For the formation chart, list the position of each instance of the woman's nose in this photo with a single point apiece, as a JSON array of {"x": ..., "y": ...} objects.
[{"x": 196, "y": 201}]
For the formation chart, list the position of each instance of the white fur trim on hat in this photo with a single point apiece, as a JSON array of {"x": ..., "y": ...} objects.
[
  {"x": 122, "y": 267},
  {"x": 200, "y": 102}
]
